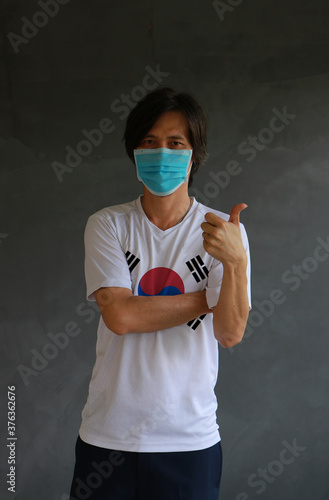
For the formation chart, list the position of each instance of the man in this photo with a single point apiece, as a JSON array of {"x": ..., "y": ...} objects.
[{"x": 171, "y": 279}]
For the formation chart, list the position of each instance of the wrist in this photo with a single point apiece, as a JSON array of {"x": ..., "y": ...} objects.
[
  {"x": 236, "y": 268},
  {"x": 204, "y": 303}
]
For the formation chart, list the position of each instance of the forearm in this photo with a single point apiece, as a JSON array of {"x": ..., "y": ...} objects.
[
  {"x": 230, "y": 315},
  {"x": 140, "y": 314}
]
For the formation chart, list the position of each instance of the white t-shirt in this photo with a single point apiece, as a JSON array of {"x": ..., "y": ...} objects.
[{"x": 153, "y": 392}]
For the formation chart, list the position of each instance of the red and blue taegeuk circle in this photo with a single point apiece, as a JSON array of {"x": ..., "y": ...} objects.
[{"x": 161, "y": 281}]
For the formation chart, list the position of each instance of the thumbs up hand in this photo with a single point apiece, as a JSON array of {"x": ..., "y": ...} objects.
[{"x": 222, "y": 239}]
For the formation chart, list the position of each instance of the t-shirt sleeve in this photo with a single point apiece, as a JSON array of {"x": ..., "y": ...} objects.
[
  {"x": 216, "y": 275},
  {"x": 105, "y": 261}
]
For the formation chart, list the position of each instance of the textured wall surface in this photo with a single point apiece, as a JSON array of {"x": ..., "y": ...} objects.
[{"x": 70, "y": 72}]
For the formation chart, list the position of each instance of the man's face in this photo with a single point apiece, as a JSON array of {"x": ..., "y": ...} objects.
[{"x": 169, "y": 131}]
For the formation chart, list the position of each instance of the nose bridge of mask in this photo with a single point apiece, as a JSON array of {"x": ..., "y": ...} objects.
[{"x": 163, "y": 156}]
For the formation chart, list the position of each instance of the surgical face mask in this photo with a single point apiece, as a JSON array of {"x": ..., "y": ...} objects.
[{"x": 162, "y": 170}]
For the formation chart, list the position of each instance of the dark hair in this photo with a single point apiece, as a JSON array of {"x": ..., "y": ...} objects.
[{"x": 142, "y": 118}]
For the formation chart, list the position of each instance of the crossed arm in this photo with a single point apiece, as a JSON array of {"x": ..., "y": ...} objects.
[{"x": 124, "y": 312}]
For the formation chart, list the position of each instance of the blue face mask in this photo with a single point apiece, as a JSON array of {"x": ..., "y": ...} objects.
[{"x": 162, "y": 170}]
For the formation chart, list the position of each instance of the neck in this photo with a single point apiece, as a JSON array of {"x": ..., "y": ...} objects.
[{"x": 166, "y": 211}]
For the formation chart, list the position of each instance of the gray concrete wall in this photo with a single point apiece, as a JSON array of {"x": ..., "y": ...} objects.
[{"x": 81, "y": 67}]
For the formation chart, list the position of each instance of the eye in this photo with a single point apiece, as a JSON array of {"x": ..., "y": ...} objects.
[
  {"x": 176, "y": 144},
  {"x": 146, "y": 142}
]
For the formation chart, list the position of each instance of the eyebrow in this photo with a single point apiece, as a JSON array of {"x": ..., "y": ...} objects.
[{"x": 181, "y": 137}]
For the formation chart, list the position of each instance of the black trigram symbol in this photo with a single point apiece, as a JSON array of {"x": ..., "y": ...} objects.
[
  {"x": 194, "y": 323},
  {"x": 132, "y": 260},
  {"x": 197, "y": 268}
]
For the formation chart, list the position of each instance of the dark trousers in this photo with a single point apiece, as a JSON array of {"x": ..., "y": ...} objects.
[{"x": 102, "y": 474}]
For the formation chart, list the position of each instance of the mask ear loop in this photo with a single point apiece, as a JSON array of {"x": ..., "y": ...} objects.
[{"x": 190, "y": 168}]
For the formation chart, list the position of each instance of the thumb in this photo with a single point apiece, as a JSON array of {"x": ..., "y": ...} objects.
[{"x": 235, "y": 212}]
